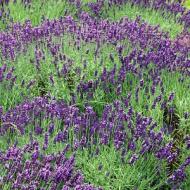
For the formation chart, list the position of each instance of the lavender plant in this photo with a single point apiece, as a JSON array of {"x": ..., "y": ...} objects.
[{"x": 89, "y": 102}]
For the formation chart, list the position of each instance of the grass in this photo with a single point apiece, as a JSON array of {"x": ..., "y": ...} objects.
[
  {"x": 187, "y": 4},
  {"x": 108, "y": 171}
]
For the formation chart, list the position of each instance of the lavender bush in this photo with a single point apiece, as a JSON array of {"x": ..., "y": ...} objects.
[{"x": 92, "y": 99}]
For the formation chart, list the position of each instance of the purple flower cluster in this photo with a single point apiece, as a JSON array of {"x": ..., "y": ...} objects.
[
  {"x": 179, "y": 174},
  {"x": 116, "y": 125},
  {"x": 96, "y": 7},
  {"x": 174, "y": 7},
  {"x": 40, "y": 170}
]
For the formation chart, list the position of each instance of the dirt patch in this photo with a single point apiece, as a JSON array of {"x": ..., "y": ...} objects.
[{"x": 184, "y": 40}]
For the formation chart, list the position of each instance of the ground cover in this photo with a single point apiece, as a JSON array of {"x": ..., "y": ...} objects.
[{"x": 94, "y": 97}]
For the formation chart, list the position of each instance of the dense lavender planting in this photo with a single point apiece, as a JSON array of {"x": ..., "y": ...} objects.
[{"x": 88, "y": 103}]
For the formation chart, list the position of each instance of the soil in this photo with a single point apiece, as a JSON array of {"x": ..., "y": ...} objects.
[{"x": 184, "y": 40}]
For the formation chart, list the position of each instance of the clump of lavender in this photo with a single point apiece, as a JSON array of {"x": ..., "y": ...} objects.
[
  {"x": 96, "y": 7},
  {"x": 40, "y": 170}
]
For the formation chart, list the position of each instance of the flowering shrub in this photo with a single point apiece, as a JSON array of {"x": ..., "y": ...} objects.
[{"x": 81, "y": 88}]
